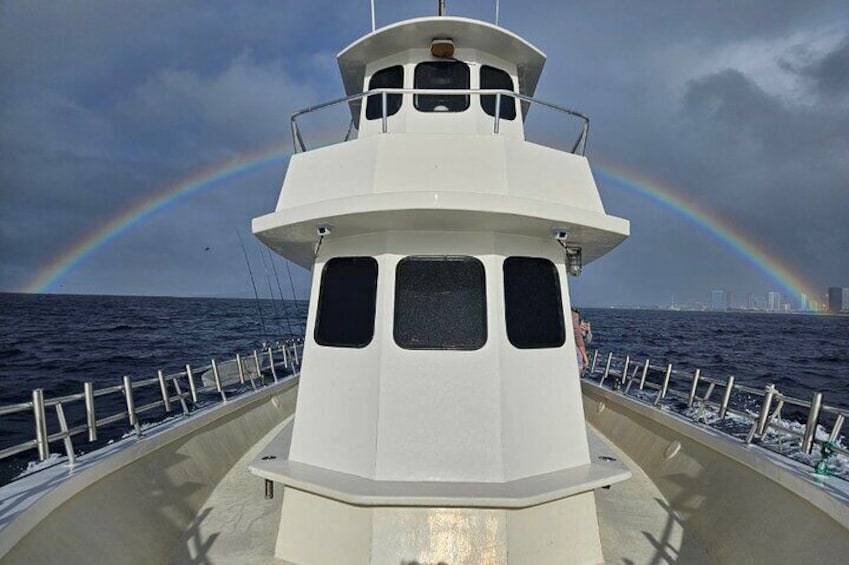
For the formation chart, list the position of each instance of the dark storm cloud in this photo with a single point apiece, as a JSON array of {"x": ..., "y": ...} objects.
[{"x": 739, "y": 106}]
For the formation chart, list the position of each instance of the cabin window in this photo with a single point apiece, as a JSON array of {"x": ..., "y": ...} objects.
[
  {"x": 393, "y": 77},
  {"x": 496, "y": 79},
  {"x": 532, "y": 303},
  {"x": 443, "y": 75},
  {"x": 440, "y": 303},
  {"x": 346, "y": 302}
]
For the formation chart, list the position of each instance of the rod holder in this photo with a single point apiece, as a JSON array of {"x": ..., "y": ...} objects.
[
  {"x": 163, "y": 388},
  {"x": 90, "y": 415},
  {"x": 726, "y": 397},
  {"x": 40, "y": 424},
  {"x": 811, "y": 425},
  {"x": 192, "y": 387},
  {"x": 769, "y": 393},
  {"x": 269, "y": 489}
]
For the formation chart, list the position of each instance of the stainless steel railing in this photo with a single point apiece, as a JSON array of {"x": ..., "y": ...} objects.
[
  {"x": 254, "y": 369},
  {"x": 578, "y": 146},
  {"x": 726, "y": 397}
]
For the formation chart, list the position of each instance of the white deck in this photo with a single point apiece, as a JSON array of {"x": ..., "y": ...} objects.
[{"x": 237, "y": 525}]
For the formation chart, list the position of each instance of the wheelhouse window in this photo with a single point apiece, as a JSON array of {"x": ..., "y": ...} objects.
[
  {"x": 440, "y": 303},
  {"x": 346, "y": 302},
  {"x": 392, "y": 77},
  {"x": 532, "y": 303},
  {"x": 442, "y": 75},
  {"x": 496, "y": 79}
]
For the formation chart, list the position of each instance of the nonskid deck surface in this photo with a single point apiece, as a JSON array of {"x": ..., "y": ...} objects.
[{"x": 237, "y": 525}]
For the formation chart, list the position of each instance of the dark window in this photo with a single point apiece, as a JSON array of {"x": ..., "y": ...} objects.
[
  {"x": 393, "y": 77},
  {"x": 532, "y": 303},
  {"x": 442, "y": 76},
  {"x": 440, "y": 303},
  {"x": 496, "y": 79},
  {"x": 346, "y": 302}
]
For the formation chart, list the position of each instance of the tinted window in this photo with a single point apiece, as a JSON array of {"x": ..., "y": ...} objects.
[
  {"x": 496, "y": 79},
  {"x": 346, "y": 302},
  {"x": 442, "y": 75},
  {"x": 532, "y": 303},
  {"x": 393, "y": 77},
  {"x": 440, "y": 303}
]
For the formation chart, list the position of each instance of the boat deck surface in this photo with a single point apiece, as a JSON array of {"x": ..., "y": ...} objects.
[{"x": 238, "y": 526}]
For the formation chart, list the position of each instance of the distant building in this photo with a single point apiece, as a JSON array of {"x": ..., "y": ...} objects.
[
  {"x": 774, "y": 302},
  {"x": 838, "y": 299},
  {"x": 803, "y": 303},
  {"x": 719, "y": 300}
]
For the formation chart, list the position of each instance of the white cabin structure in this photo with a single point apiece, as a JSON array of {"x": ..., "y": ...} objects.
[{"x": 439, "y": 405}]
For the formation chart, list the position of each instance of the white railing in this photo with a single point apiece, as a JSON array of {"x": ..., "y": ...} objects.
[
  {"x": 227, "y": 379},
  {"x": 578, "y": 146},
  {"x": 726, "y": 397}
]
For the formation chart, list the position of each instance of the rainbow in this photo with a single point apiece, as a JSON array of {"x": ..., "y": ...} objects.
[
  {"x": 792, "y": 284},
  {"x": 58, "y": 267}
]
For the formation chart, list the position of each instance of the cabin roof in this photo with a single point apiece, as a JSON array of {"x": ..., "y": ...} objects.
[{"x": 419, "y": 32}]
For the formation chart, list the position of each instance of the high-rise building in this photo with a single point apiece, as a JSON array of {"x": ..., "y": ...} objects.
[
  {"x": 835, "y": 299},
  {"x": 838, "y": 299},
  {"x": 719, "y": 300},
  {"x": 774, "y": 302},
  {"x": 803, "y": 303}
]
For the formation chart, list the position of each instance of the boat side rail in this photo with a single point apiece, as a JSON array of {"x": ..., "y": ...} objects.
[
  {"x": 760, "y": 407},
  {"x": 578, "y": 146},
  {"x": 179, "y": 393}
]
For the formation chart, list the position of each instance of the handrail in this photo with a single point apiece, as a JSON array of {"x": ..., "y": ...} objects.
[
  {"x": 685, "y": 386},
  {"x": 38, "y": 406},
  {"x": 578, "y": 147}
]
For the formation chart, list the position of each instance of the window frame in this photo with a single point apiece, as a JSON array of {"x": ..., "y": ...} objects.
[
  {"x": 510, "y": 307},
  {"x": 508, "y": 103},
  {"x": 360, "y": 344},
  {"x": 374, "y": 100},
  {"x": 483, "y": 320},
  {"x": 419, "y": 98}
]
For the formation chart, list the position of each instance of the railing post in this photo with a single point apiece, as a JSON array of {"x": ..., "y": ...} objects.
[
  {"x": 813, "y": 420},
  {"x": 694, "y": 387},
  {"x": 295, "y": 354},
  {"x": 384, "y": 118},
  {"x": 218, "y": 381},
  {"x": 163, "y": 388},
  {"x": 131, "y": 404},
  {"x": 285, "y": 356},
  {"x": 40, "y": 424},
  {"x": 835, "y": 431},
  {"x": 497, "y": 126},
  {"x": 726, "y": 397},
  {"x": 595, "y": 358},
  {"x": 192, "y": 387},
  {"x": 624, "y": 372},
  {"x": 90, "y": 415}
]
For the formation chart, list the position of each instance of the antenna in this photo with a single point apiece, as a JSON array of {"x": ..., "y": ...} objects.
[
  {"x": 372, "y": 15},
  {"x": 441, "y": 7},
  {"x": 497, "y": 6}
]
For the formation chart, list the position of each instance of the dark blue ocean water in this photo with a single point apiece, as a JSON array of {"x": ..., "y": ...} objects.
[{"x": 57, "y": 342}]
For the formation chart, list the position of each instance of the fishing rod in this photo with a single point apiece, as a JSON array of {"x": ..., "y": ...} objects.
[
  {"x": 280, "y": 290},
  {"x": 274, "y": 307},
  {"x": 294, "y": 296},
  {"x": 253, "y": 284}
]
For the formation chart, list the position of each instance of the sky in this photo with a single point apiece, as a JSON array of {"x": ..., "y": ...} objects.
[{"x": 738, "y": 110}]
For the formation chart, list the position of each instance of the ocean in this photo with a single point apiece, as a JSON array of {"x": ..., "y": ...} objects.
[{"x": 57, "y": 342}]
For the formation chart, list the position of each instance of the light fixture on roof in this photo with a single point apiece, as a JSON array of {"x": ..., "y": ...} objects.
[
  {"x": 442, "y": 48},
  {"x": 574, "y": 261}
]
